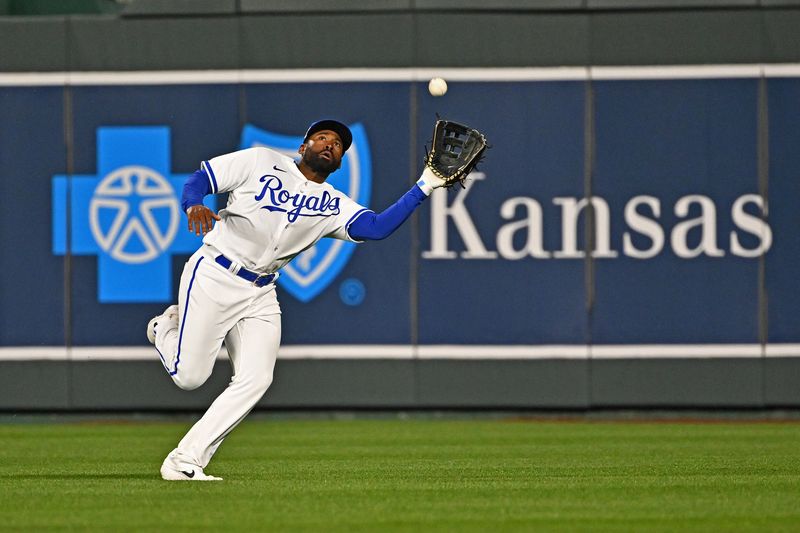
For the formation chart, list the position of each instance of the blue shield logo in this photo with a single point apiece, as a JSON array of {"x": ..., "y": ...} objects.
[{"x": 313, "y": 270}]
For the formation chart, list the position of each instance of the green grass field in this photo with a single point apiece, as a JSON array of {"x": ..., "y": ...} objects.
[{"x": 407, "y": 475}]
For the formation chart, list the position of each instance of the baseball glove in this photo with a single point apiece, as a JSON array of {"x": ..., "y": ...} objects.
[{"x": 455, "y": 151}]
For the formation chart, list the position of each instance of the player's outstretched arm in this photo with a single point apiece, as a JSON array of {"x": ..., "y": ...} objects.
[
  {"x": 371, "y": 226},
  {"x": 201, "y": 218},
  {"x": 455, "y": 151}
]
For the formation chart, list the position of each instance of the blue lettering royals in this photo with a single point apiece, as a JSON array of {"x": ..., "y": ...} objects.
[
  {"x": 317, "y": 267},
  {"x": 303, "y": 205}
]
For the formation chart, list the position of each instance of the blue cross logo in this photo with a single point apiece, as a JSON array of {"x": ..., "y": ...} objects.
[{"x": 128, "y": 215}]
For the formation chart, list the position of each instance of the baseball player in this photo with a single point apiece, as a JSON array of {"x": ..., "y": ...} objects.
[{"x": 277, "y": 208}]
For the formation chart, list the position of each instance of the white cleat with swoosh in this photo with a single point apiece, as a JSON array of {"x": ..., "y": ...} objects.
[{"x": 174, "y": 469}]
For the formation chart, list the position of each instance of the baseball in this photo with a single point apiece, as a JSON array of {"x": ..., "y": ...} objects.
[{"x": 437, "y": 87}]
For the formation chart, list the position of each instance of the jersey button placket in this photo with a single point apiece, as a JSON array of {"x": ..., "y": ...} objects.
[
  {"x": 283, "y": 227},
  {"x": 277, "y": 237}
]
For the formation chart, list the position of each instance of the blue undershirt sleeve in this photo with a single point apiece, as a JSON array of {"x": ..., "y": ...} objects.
[
  {"x": 195, "y": 189},
  {"x": 373, "y": 227}
]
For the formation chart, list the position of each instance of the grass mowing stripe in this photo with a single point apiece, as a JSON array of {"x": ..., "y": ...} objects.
[{"x": 393, "y": 475}]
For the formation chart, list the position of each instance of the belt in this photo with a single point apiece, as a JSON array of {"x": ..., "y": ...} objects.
[{"x": 256, "y": 278}]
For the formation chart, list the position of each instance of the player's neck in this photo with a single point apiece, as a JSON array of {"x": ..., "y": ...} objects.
[{"x": 311, "y": 175}]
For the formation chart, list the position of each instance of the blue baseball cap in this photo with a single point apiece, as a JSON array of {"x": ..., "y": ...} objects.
[{"x": 333, "y": 125}]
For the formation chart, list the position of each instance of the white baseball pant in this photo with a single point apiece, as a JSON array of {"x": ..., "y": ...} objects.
[{"x": 215, "y": 305}]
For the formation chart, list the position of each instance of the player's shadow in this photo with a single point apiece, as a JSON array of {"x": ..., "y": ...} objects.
[{"x": 56, "y": 476}]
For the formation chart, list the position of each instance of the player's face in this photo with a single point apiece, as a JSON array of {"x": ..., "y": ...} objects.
[{"x": 323, "y": 151}]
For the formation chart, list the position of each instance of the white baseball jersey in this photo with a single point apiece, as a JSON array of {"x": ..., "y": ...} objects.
[{"x": 274, "y": 212}]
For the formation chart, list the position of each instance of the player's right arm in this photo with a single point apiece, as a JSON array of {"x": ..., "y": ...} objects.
[
  {"x": 220, "y": 174},
  {"x": 201, "y": 218}
]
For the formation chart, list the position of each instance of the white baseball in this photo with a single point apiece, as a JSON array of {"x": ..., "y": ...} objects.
[{"x": 437, "y": 87}]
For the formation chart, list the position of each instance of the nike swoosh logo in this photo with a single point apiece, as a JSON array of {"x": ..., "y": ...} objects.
[
  {"x": 275, "y": 167},
  {"x": 188, "y": 474}
]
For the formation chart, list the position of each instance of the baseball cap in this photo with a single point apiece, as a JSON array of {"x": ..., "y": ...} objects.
[{"x": 333, "y": 125}]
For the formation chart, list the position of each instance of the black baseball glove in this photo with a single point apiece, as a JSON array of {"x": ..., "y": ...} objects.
[{"x": 455, "y": 151}]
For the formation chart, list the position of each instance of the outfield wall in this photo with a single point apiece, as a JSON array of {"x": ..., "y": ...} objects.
[
  {"x": 673, "y": 287},
  {"x": 248, "y": 34}
]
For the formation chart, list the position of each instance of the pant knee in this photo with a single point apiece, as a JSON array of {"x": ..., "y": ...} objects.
[
  {"x": 256, "y": 385},
  {"x": 264, "y": 383},
  {"x": 188, "y": 381}
]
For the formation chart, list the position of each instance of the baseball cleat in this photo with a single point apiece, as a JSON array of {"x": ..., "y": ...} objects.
[
  {"x": 173, "y": 470},
  {"x": 170, "y": 314}
]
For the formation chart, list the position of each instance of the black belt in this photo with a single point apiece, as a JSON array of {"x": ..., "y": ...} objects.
[{"x": 257, "y": 279}]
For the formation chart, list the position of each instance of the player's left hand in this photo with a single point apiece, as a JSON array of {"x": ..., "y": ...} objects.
[
  {"x": 429, "y": 181},
  {"x": 201, "y": 219}
]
